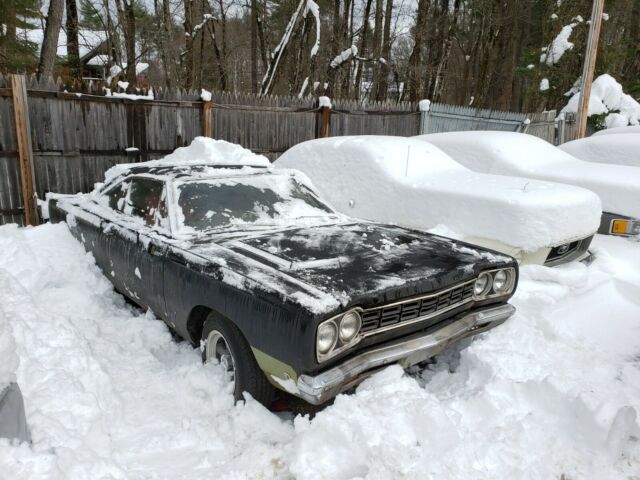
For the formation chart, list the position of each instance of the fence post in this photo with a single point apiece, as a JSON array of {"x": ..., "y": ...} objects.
[
  {"x": 207, "y": 119},
  {"x": 25, "y": 152},
  {"x": 325, "y": 112},
  {"x": 424, "y": 107}
]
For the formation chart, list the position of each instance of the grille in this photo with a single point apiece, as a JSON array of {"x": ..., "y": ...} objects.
[{"x": 411, "y": 309}]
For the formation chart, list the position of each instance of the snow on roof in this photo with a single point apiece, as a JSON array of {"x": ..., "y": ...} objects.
[
  {"x": 411, "y": 183},
  {"x": 618, "y": 149},
  {"x": 607, "y": 97},
  {"x": 610, "y": 131},
  {"x": 201, "y": 151},
  {"x": 519, "y": 154}
]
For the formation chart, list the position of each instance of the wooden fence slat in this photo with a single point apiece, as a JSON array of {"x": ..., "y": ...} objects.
[{"x": 23, "y": 134}]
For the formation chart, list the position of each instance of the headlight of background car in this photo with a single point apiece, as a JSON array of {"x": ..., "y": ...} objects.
[
  {"x": 494, "y": 283},
  {"x": 625, "y": 227},
  {"x": 337, "y": 334}
]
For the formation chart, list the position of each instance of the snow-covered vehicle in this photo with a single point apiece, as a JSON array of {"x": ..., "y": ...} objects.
[
  {"x": 248, "y": 262},
  {"x": 413, "y": 184},
  {"x": 522, "y": 155},
  {"x": 615, "y": 149}
]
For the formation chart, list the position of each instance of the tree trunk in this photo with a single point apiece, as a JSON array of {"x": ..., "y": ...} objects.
[
  {"x": 383, "y": 84},
  {"x": 73, "y": 49},
  {"x": 414, "y": 78},
  {"x": 50, "y": 41},
  {"x": 254, "y": 46},
  {"x": 363, "y": 46},
  {"x": 188, "y": 43},
  {"x": 377, "y": 49}
]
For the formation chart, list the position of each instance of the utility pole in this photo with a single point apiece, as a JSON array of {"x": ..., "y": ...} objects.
[{"x": 589, "y": 67}]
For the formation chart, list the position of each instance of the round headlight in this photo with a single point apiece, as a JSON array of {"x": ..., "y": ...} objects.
[
  {"x": 501, "y": 281},
  {"x": 482, "y": 285},
  {"x": 349, "y": 326},
  {"x": 327, "y": 336}
]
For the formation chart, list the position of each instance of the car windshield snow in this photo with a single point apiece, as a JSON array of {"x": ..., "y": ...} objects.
[{"x": 212, "y": 204}]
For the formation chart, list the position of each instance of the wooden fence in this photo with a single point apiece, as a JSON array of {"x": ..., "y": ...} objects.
[{"x": 75, "y": 137}]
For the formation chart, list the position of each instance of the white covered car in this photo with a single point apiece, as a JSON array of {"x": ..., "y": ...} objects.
[
  {"x": 413, "y": 184},
  {"x": 522, "y": 155},
  {"x": 616, "y": 149}
]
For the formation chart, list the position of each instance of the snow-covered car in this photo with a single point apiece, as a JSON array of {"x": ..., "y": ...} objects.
[
  {"x": 248, "y": 262},
  {"x": 615, "y": 149},
  {"x": 633, "y": 129},
  {"x": 522, "y": 155},
  {"x": 414, "y": 184}
]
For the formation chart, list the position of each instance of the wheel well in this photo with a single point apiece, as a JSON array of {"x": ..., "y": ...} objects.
[
  {"x": 195, "y": 324},
  {"x": 196, "y": 321}
]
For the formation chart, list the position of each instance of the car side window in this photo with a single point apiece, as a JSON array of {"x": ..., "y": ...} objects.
[
  {"x": 117, "y": 195},
  {"x": 146, "y": 200}
]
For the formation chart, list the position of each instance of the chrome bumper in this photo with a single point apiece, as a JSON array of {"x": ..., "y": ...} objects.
[{"x": 407, "y": 351}]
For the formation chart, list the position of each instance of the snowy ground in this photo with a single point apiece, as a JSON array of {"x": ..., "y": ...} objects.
[{"x": 553, "y": 393}]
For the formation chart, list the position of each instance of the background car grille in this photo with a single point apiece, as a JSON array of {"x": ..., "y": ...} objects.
[{"x": 405, "y": 311}]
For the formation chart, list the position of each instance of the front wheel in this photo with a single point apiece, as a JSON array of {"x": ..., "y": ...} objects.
[{"x": 224, "y": 342}]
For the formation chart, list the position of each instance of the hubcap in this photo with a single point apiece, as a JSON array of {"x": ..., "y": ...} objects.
[{"x": 217, "y": 348}]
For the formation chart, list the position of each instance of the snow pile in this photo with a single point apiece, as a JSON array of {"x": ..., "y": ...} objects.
[
  {"x": 8, "y": 358},
  {"x": 205, "y": 95},
  {"x": 130, "y": 96},
  {"x": 324, "y": 102},
  {"x": 424, "y": 105},
  {"x": 544, "y": 84},
  {"x": 608, "y": 98},
  {"x": 201, "y": 151},
  {"x": 617, "y": 149},
  {"x": 522, "y": 155},
  {"x": 554, "y": 52},
  {"x": 553, "y": 392},
  {"x": 411, "y": 183}
]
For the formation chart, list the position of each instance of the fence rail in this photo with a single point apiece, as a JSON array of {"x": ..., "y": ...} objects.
[{"x": 77, "y": 136}]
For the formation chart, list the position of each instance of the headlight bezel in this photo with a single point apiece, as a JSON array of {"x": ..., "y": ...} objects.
[
  {"x": 491, "y": 291},
  {"x": 630, "y": 226},
  {"x": 340, "y": 344}
]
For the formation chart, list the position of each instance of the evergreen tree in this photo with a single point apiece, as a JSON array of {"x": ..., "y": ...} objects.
[{"x": 17, "y": 52}]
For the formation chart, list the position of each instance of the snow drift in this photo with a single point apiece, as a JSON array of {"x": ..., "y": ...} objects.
[
  {"x": 8, "y": 357},
  {"x": 617, "y": 149},
  {"x": 552, "y": 392},
  {"x": 635, "y": 129},
  {"x": 522, "y": 155},
  {"x": 411, "y": 183}
]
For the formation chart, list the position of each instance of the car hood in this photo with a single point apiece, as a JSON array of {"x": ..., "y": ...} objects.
[{"x": 329, "y": 267}]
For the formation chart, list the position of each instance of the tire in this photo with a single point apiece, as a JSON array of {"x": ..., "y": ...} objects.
[{"x": 235, "y": 355}]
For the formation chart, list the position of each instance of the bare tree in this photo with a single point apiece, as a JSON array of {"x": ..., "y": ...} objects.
[
  {"x": 50, "y": 41},
  {"x": 414, "y": 77},
  {"x": 73, "y": 48}
]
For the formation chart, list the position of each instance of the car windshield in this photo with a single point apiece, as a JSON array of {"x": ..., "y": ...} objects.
[{"x": 266, "y": 199}]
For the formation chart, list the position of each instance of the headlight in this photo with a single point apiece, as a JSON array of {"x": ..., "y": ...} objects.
[
  {"x": 494, "y": 283},
  {"x": 501, "y": 281},
  {"x": 349, "y": 326},
  {"x": 327, "y": 337},
  {"x": 624, "y": 227},
  {"x": 482, "y": 285}
]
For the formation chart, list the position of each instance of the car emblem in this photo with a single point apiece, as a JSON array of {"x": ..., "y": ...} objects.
[{"x": 563, "y": 249}]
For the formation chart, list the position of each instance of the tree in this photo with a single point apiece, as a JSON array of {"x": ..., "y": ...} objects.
[
  {"x": 49, "y": 48},
  {"x": 73, "y": 48},
  {"x": 17, "y": 53}
]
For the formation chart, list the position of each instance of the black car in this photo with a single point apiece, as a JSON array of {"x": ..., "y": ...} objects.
[{"x": 252, "y": 266}]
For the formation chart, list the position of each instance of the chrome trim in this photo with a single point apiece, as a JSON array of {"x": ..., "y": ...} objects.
[{"x": 407, "y": 351}]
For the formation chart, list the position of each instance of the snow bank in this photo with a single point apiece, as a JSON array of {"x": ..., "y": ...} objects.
[
  {"x": 554, "y": 391},
  {"x": 201, "y": 151},
  {"x": 617, "y": 149},
  {"x": 8, "y": 358},
  {"x": 608, "y": 98},
  {"x": 411, "y": 183},
  {"x": 522, "y": 155}
]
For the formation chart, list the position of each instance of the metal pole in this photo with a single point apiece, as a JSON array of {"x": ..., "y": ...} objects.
[{"x": 589, "y": 67}]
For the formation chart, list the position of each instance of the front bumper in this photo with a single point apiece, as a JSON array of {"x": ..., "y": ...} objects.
[{"x": 406, "y": 352}]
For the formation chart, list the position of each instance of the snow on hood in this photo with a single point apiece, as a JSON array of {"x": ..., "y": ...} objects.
[
  {"x": 201, "y": 151},
  {"x": 617, "y": 149},
  {"x": 411, "y": 183},
  {"x": 522, "y": 155}
]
